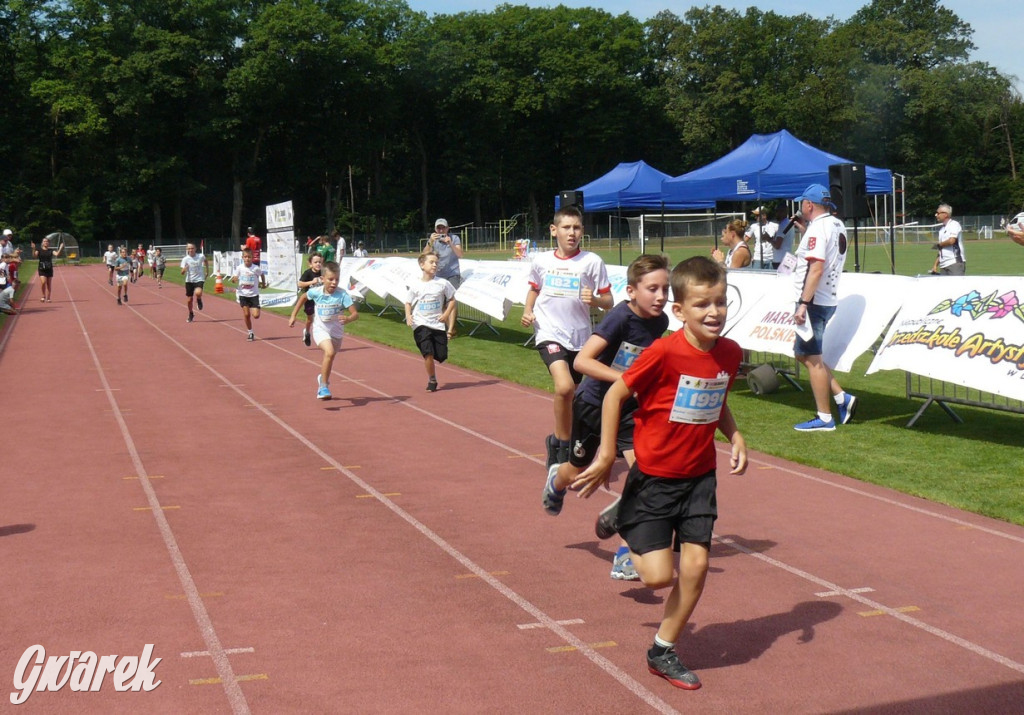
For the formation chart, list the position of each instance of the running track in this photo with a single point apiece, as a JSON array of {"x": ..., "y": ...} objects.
[{"x": 386, "y": 551}]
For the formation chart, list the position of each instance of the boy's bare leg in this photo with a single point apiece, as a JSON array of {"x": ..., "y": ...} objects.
[
  {"x": 565, "y": 388},
  {"x": 428, "y": 363},
  {"x": 328, "y": 362},
  {"x": 693, "y": 570}
]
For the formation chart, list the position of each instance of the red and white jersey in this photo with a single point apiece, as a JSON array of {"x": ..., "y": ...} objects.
[
  {"x": 824, "y": 240},
  {"x": 560, "y": 316}
]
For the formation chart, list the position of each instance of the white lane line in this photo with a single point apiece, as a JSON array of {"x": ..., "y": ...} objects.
[
  {"x": 232, "y": 690},
  {"x": 875, "y": 606},
  {"x": 588, "y": 651}
]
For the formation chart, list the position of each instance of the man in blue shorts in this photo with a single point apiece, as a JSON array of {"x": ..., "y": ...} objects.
[{"x": 820, "y": 258}]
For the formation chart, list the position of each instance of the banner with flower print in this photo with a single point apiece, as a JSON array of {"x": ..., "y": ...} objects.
[{"x": 960, "y": 329}]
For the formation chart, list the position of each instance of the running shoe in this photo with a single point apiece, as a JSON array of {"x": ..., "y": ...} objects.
[
  {"x": 552, "y": 498},
  {"x": 847, "y": 409},
  {"x": 607, "y": 523},
  {"x": 432, "y": 385},
  {"x": 668, "y": 667},
  {"x": 191, "y": 317},
  {"x": 199, "y": 303},
  {"x": 251, "y": 337},
  {"x": 126, "y": 296},
  {"x": 623, "y": 569},
  {"x": 816, "y": 425},
  {"x": 119, "y": 301},
  {"x": 305, "y": 337},
  {"x": 323, "y": 392}
]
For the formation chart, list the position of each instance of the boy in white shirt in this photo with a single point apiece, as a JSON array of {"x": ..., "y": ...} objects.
[
  {"x": 250, "y": 279},
  {"x": 564, "y": 284},
  {"x": 193, "y": 267},
  {"x": 428, "y": 308}
]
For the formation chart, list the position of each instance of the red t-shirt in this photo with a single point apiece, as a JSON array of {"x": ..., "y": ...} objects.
[
  {"x": 254, "y": 244},
  {"x": 681, "y": 391}
]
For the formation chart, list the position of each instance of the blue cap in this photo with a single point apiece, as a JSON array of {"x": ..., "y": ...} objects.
[{"x": 816, "y": 194}]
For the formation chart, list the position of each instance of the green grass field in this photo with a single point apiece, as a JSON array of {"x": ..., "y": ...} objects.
[{"x": 972, "y": 466}]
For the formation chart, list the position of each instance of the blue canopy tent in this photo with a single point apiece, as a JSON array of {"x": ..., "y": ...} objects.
[
  {"x": 632, "y": 185},
  {"x": 769, "y": 166},
  {"x": 766, "y": 166}
]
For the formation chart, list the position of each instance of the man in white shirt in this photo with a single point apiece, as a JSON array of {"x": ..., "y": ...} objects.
[
  {"x": 759, "y": 237},
  {"x": 819, "y": 264},
  {"x": 950, "y": 261}
]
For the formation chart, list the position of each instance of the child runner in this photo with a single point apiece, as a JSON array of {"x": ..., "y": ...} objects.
[
  {"x": 564, "y": 284},
  {"x": 110, "y": 258},
  {"x": 309, "y": 278},
  {"x": 138, "y": 263},
  {"x": 428, "y": 307},
  {"x": 680, "y": 383},
  {"x": 329, "y": 323},
  {"x": 250, "y": 279},
  {"x": 123, "y": 270},
  {"x": 193, "y": 267},
  {"x": 159, "y": 264},
  {"x": 623, "y": 334}
]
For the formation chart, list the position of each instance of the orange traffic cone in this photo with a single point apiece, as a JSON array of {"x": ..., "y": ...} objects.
[{"x": 218, "y": 285}]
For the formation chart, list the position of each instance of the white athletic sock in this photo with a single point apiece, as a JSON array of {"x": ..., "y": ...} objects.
[
  {"x": 840, "y": 398},
  {"x": 825, "y": 416}
]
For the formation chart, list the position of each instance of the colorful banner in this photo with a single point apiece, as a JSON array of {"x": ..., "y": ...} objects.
[{"x": 962, "y": 330}]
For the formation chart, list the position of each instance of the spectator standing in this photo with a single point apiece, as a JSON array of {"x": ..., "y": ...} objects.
[
  {"x": 759, "y": 237},
  {"x": 733, "y": 238},
  {"x": 448, "y": 247},
  {"x": 360, "y": 251},
  {"x": 819, "y": 265},
  {"x": 45, "y": 255},
  {"x": 254, "y": 244},
  {"x": 339, "y": 245},
  {"x": 950, "y": 261}
]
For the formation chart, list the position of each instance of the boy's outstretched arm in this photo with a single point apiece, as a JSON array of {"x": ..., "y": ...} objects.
[
  {"x": 727, "y": 425},
  {"x": 295, "y": 309},
  {"x": 531, "y": 300},
  {"x": 591, "y": 478}
]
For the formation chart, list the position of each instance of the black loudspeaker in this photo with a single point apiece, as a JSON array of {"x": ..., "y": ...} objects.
[
  {"x": 848, "y": 185},
  {"x": 570, "y": 198}
]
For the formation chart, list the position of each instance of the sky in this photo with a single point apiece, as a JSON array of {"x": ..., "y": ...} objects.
[{"x": 998, "y": 24}]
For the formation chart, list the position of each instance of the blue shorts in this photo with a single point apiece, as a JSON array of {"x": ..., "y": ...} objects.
[{"x": 818, "y": 317}]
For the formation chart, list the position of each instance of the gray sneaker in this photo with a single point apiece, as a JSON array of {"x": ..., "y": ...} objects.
[
  {"x": 623, "y": 569},
  {"x": 668, "y": 667},
  {"x": 552, "y": 499}
]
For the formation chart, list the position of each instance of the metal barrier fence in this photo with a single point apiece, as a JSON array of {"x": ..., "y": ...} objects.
[{"x": 944, "y": 394}]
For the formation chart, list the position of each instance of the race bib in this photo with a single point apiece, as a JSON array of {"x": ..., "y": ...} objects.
[
  {"x": 625, "y": 356},
  {"x": 428, "y": 307},
  {"x": 699, "y": 400},
  {"x": 329, "y": 313},
  {"x": 562, "y": 284}
]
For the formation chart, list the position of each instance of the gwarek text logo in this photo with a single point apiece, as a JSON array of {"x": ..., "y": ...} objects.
[{"x": 82, "y": 672}]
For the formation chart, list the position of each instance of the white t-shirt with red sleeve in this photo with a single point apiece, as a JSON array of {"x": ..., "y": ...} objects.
[{"x": 560, "y": 316}]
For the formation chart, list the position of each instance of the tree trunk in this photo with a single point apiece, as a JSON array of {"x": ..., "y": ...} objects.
[
  {"x": 179, "y": 223},
  {"x": 158, "y": 229}
]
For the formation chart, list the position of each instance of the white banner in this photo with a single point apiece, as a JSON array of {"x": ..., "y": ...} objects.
[
  {"x": 493, "y": 286},
  {"x": 387, "y": 276},
  {"x": 279, "y": 253},
  {"x": 963, "y": 330},
  {"x": 764, "y": 319}
]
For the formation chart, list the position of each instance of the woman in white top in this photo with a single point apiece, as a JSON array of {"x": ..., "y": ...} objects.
[{"x": 739, "y": 253}]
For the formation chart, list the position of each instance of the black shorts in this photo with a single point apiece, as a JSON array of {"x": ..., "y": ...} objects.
[
  {"x": 586, "y": 431},
  {"x": 45, "y": 272},
  {"x": 658, "y": 513},
  {"x": 190, "y": 288},
  {"x": 309, "y": 307},
  {"x": 431, "y": 341},
  {"x": 249, "y": 301},
  {"x": 551, "y": 353}
]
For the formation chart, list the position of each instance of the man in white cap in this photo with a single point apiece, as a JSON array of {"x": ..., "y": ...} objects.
[
  {"x": 819, "y": 264},
  {"x": 7, "y": 243},
  {"x": 759, "y": 237},
  {"x": 448, "y": 247}
]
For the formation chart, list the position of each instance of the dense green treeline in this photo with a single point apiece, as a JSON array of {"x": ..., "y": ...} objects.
[{"x": 153, "y": 120}]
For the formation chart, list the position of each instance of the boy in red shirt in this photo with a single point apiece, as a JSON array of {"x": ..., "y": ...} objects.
[{"x": 681, "y": 382}]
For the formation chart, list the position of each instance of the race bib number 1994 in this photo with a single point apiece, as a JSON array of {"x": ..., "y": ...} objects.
[{"x": 699, "y": 400}]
